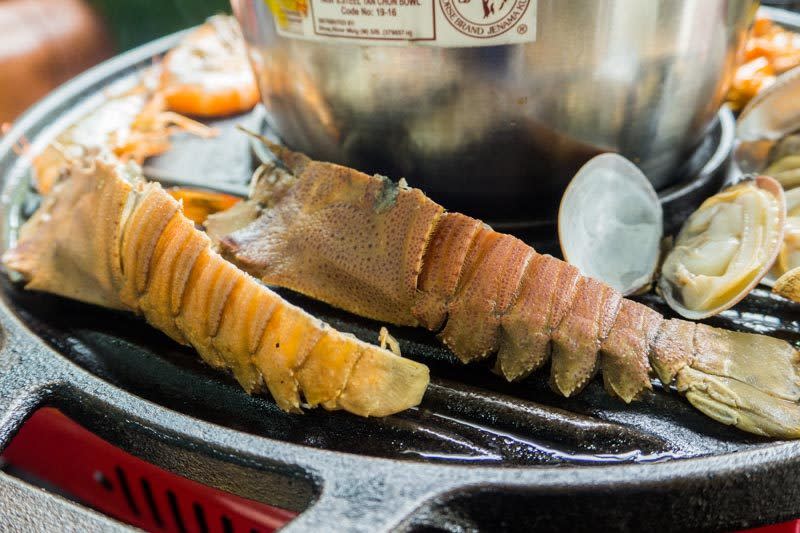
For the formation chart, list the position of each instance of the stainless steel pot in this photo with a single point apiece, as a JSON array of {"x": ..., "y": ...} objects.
[{"x": 498, "y": 131}]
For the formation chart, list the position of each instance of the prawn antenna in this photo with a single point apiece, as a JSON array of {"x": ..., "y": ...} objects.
[{"x": 279, "y": 152}]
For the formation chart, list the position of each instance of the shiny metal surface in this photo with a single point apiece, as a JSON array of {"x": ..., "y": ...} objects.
[{"x": 507, "y": 126}]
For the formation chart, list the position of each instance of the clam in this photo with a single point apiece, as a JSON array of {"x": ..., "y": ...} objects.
[
  {"x": 765, "y": 127},
  {"x": 773, "y": 113},
  {"x": 785, "y": 162},
  {"x": 610, "y": 223},
  {"x": 725, "y": 248},
  {"x": 789, "y": 255},
  {"x": 787, "y": 146}
]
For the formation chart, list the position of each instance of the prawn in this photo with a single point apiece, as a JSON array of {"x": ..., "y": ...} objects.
[
  {"x": 387, "y": 252},
  {"x": 129, "y": 126},
  {"x": 105, "y": 236},
  {"x": 208, "y": 73}
]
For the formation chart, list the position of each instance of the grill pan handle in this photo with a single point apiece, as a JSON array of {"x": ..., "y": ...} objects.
[
  {"x": 365, "y": 501},
  {"x": 350, "y": 498},
  {"x": 24, "y": 384}
]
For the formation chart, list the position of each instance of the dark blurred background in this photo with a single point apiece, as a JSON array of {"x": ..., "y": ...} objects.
[
  {"x": 133, "y": 22},
  {"x": 43, "y": 43}
]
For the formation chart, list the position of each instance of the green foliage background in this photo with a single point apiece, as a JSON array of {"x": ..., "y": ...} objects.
[{"x": 134, "y": 22}]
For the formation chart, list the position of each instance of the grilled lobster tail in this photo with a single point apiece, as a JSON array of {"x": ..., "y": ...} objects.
[
  {"x": 387, "y": 252},
  {"x": 109, "y": 238}
]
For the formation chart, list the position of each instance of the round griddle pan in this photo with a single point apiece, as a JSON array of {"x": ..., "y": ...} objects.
[{"x": 478, "y": 453}]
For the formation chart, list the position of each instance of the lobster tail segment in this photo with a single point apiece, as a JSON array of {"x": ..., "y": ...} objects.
[
  {"x": 742, "y": 379},
  {"x": 488, "y": 286},
  {"x": 577, "y": 339},
  {"x": 672, "y": 349},
  {"x": 625, "y": 351},
  {"x": 442, "y": 264},
  {"x": 746, "y": 380},
  {"x": 381, "y": 384},
  {"x": 543, "y": 300}
]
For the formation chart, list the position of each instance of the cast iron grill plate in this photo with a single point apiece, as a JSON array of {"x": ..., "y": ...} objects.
[{"x": 478, "y": 452}]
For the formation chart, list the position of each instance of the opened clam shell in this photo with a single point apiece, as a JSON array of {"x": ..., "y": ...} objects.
[
  {"x": 789, "y": 255},
  {"x": 784, "y": 162},
  {"x": 610, "y": 223},
  {"x": 765, "y": 121},
  {"x": 773, "y": 113},
  {"x": 725, "y": 248}
]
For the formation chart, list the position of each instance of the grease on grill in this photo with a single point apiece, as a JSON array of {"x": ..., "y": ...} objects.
[{"x": 467, "y": 415}]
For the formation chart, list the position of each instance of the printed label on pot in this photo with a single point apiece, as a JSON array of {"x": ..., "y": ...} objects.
[{"x": 446, "y": 23}]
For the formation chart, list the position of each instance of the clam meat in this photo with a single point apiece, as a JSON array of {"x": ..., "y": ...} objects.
[
  {"x": 784, "y": 163},
  {"x": 725, "y": 248}
]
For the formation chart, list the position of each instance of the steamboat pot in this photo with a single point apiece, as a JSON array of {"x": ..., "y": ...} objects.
[{"x": 490, "y": 106}]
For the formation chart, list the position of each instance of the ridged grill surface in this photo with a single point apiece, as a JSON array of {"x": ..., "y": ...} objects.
[{"x": 468, "y": 414}]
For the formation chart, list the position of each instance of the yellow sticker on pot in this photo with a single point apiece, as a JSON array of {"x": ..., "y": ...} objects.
[
  {"x": 445, "y": 23},
  {"x": 287, "y": 12}
]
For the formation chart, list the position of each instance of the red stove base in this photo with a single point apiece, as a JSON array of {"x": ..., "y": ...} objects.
[
  {"x": 56, "y": 450},
  {"x": 793, "y": 526}
]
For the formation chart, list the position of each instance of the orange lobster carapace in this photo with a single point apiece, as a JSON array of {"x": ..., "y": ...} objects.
[
  {"x": 386, "y": 251},
  {"x": 105, "y": 236}
]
